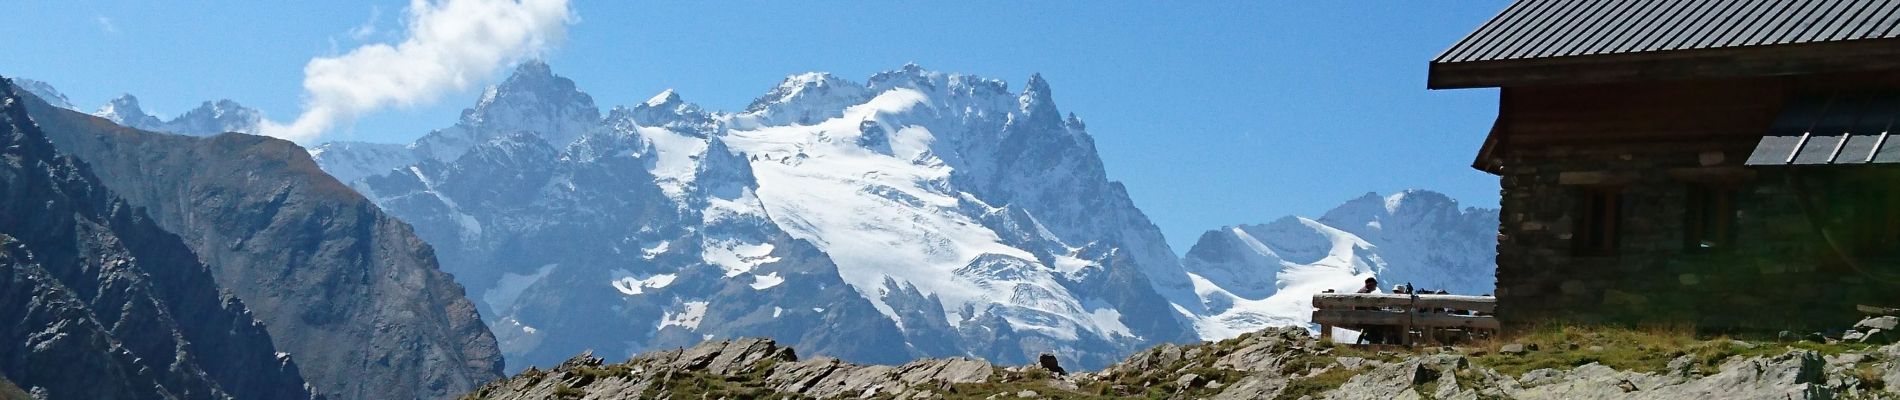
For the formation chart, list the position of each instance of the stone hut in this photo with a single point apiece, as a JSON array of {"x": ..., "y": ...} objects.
[{"x": 1720, "y": 164}]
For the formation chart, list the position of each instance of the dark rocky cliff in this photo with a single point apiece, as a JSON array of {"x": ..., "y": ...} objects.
[
  {"x": 350, "y": 292},
  {"x": 98, "y": 302}
]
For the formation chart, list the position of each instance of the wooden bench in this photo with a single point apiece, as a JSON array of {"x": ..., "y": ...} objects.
[{"x": 1430, "y": 314}]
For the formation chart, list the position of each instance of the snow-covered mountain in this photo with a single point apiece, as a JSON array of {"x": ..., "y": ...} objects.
[
  {"x": 1255, "y": 276},
  {"x": 209, "y": 118},
  {"x": 353, "y": 161},
  {"x": 916, "y": 214},
  {"x": 45, "y": 92}
]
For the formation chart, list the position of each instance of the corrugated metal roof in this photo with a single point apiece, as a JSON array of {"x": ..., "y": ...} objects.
[
  {"x": 1530, "y": 29},
  {"x": 1852, "y": 129}
]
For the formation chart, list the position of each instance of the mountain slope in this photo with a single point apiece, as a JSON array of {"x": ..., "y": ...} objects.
[
  {"x": 918, "y": 214},
  {"x": 102, "y": 303},
  {"x": 352, "y": 293},
  {"x": 1255, "y": 276}
]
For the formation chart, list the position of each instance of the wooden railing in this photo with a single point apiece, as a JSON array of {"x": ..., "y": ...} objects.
[{"x": 1430, "y": 314}]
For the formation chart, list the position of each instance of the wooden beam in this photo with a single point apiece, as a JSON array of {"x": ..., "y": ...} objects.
[
  {"x": 1348, "y": 301},
  {"x": 1596, "y": 178},
  {"x": 1876, "y": 310},
  {"x": 1721, "y": 174},
  {"x": 1355, "y": 319}
]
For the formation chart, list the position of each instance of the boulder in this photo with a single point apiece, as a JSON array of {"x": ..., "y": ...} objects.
[
  {"x": 1190, "y": 381},
  {"x": 1875, "y": 336},
  {"x": 1853, "y": 336},
  {"x": 1886, "y": 323},
  {"x": 1048, "y": 362}
]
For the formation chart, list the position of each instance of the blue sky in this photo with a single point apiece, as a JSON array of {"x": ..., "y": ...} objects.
[{"x": 1212, "y": 113}]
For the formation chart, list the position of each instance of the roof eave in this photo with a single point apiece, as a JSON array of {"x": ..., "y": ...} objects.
[{"x": 1772, "y": 60}]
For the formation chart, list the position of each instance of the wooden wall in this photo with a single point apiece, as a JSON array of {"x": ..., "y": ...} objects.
[{"x": 1673, "y": 111}]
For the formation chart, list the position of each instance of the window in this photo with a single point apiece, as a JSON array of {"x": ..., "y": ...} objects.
[
  {"x": 1599, "y": 221},
  {"x": 1709, "y": 218}
]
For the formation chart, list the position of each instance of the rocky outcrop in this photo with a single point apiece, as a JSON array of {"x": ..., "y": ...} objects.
[
  {"x": 1281, "y": 363},
  {"x": 351, "y": 293},
  {"x": 98, "y": 302},
  {"x": 741, "y": 368}
]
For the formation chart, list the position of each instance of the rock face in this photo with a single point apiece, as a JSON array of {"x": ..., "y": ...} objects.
[
  {"x": 99, "y": 302},
  {"x": 1269, "y": 364},
  {"x": 353, "y": 294}
]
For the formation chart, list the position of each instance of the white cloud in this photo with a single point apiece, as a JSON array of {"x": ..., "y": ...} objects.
[
  {"x": 106, "y": 25},
  {"x": 368, "y": 27},
  {"x": 449, "y": 45}
]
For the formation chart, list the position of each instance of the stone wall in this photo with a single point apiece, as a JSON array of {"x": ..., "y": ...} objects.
[{"x": 1778, "y": 275}]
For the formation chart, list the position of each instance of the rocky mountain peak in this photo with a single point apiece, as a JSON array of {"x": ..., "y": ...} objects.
[
  {"x": 45, "y": 92},
  {"x": 209, "y": 118},
  {"x": 1371, "y": 214},
  {"x": 1037, "y": 103},
  {"x": 803, "y": 99},
  {"x": 125, "y": 110},
  {"x": 803, "y": 92},
  {"x": 909, "y": 76},
  {"x": 533, "y": 99},
  {"x": 664, "y": 99},
  {"x": 667, "y": 110},
  {"x": 214, "y": 117},
  {"x": 533, "y": 85}
]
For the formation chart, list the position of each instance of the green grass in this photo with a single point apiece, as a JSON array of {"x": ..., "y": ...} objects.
[
  {"x": 562, "y": 390},
  {"x": 1316, "y": 384},
  {"x": 749, "y": 384},
  {"x": 1646, "y": 349}
]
